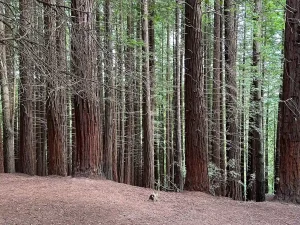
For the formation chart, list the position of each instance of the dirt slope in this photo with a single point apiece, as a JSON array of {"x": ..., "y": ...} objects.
[{"x": 55, "y": 200}]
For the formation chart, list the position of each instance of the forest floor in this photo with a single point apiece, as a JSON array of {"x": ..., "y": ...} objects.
[{"x": 55, "y": 200}]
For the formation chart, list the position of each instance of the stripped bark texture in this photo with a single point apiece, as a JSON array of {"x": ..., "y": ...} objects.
[
  {"x": 129, "y": 104},
  {"x": 148, "y": 137},
  {"x": 151, "y": 33},
  {"x": 234, "y": 189},
  {"x": 27, "y": 149},
  {"x": 216, "y": 107},
  {"x": 178, "y": 177},
  {"x": 87, "y": 151},
  {"x": 62, "y": 69},
  {"x": 109, "y": 153},
  {"x": 40, "y": 121},
  {"x": 169, "y": 141},
  {"x": 100, "y": 70},
  {"x": 56, "y": 100},
  {"x": 289, "y": 172},
  {"x": 138, "y": 153},
  {"x": 223, "y": 156},
  {"x": 258, "y": 131},
  {"x": 7, "y": 156},
  {"x": 195, "y": 111}
]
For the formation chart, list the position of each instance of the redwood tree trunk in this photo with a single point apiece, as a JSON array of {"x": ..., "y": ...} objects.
[
  {"x": 216, "y": 117},
  {"x": 56, "y": 100},
  {"x": 7, "y": 156},
  {"x": 258, "y": 131},
  {"x": 234, "y": 189},
  {"x": 39, "y": 99},
  {"x": 129, "y": 137},
  {"x": 110, "y": 169},
  {"x": 87, "y": 151},
  {"x": 148, "y": 137},
  {"x": 27, "y": 150},
  {"x": 138, "y": 153},
  {"x": 195, "y": 111},
  {"x": 178, "y": 179},
  {"x": 289, "y": 185}
]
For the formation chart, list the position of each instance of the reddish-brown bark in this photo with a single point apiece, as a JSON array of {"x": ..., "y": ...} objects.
[
  {"x": 129, "y": 137},
  {"x": 110, "y": 154},
  {"x": 234, "y": 188},
  {"x": 216, "y": 107},
  {"x": 178, "y": 176},
  {"x": 87, "y": 151},
  {"x": 27, "y": 149},
  {"x": 148, "y": 137},
  {"x": 138, "y": 153},
  {"x": 56, "y": 100},
  {"x": 6, "y": 73},
  {"x": 289, "y": 170},
  {"x": 195, "y": 111}
]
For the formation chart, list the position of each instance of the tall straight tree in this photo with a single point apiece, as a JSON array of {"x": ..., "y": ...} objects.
[
  {"x": 216, "y": 118},
  {"x": 195, "y": 108},
  {"x": 27, "y": 150},
  {"x": 138, "y": 153},
  {"x": 8, "y": 129},
  {"x": 130, "y": 126},
  {"x": 100, "y": 72},
  {"x": 289, "y": 185},
  {"x": 178, "y": 179},
  {"x": 169, "y": 141},
  {"x": 40, "y": 97},
  {"x": 258, "y": 130},
  {"x": 56, "y": 100},
  {"x": 148, "y": 137},
  {"x": 255, "y": 149},
  {"x": 87, "y": 151},
  {"x": 151, "y": 33},
  {"x": 110, "y": 169},
  {"x": 234, "y": 189},
  {"x": 223, "y": 161},
  {"x": 62, "y": 68}
]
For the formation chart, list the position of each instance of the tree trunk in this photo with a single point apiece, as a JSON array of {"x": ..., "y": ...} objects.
[
  {"x": 195, "y": 111},
  {"x": 40, "y": 123},
  {"x": 100, "y": 76},
  {"x": 256, "y": 151},
  {"x": 8, "y": 128},
  {"x": 110, "y": 120},
  {"x": 87, "y": 151},
  {"x": 56, "y": 100},
  {"x": 234, "y": 189},
  {"x": 259, "y": 150},
  {"x": 178, "y": 179},
  {"x": 138, "y": 153},
  {"x": 289, "y": 186},
  {"x": 169, "y": 148},
  {"x": 223, "y": 157},
  {"x": 63, "y": 100},
  {"x": 130, "y": 126},
  {"x": 27, "y": 150},
  {"x": 148, "y": 137},
  {"x": 216, "y": 119}
]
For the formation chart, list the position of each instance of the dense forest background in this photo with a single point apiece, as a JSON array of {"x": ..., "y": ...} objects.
[{"x": 165, "y": 94}]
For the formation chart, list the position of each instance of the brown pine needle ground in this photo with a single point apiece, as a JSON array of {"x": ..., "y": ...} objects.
[{"x": 55, "y": 200}]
